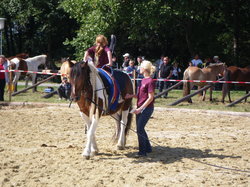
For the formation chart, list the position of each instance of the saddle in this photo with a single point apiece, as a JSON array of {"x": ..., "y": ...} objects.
[{"x": 111, "y": 86}]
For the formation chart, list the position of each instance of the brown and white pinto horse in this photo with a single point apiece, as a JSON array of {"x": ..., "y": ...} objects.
[
  {"x": 208, "y": 73},
  {"x": 20, "y": 55},
  {"x": 234, "y": 73},
  {"x": 90, "y": 93},
  {"x": 29, "y": 64}
]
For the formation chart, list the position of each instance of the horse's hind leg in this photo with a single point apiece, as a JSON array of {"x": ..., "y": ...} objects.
[
  {"x": 224, "y": 92},
  {"x": 247, "y": 91},
  {"x": 122, "y": 138},
  {"x": 117, "y": 117}
]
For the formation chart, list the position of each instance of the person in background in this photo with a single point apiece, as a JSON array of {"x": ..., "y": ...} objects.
[
  {"x": 207, "y": 61},
  {"x": 131, "y": 68},
  {"x": 139, "y": 75},
  {"x": 115, "y": 63},
  {"x": 145, "y": 107},
  {"x": 64, "y": 89},
  {"x": 158, "y": 64},
  {"x": 125, "y": 63},
  {"x": 2, "y": 77},
  {"x": 196, "y": 61},
  {"x": 216, "y": 60},
  {"x": 176, "y": 71},
  {"x": 165, "y": 72},
  {"x": 99, "y": 53},
  {"x": 138, "y": 61}
]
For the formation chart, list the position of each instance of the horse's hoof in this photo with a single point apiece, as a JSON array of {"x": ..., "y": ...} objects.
[
  {"x": 120, "y": 148},
  {"x": 87, "y": 157},
  {"x": 94, "y": 153}
]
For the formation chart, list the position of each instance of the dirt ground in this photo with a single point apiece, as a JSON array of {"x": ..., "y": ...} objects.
[{"x": 42, "y": 146}]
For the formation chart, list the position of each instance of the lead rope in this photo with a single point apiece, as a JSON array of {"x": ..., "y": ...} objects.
[{"x": 195, "y": 160}]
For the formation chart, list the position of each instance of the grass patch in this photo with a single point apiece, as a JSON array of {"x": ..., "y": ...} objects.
[
  {"x": 206, "y": 105},
  {"x": 29, "y": 96}
]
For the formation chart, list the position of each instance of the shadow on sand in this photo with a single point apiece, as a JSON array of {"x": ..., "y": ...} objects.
[{"x": 169, "y": 155}]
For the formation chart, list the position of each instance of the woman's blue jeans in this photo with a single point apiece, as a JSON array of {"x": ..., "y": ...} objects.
[{"x": 141, "y": 121}]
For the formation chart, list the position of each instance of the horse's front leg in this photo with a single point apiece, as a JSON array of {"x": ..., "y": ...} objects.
[
  {"x": 34, "y": 82},
  {"x": 204, "y": 95},
  {"x": 93, "y": 146},
  {"x": 17, "y": 75},
  {"x": 122, "y": 138},
  {"x": 211, "y": 93}
]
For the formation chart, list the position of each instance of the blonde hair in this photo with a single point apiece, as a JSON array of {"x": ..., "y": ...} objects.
[
  {"x": 147, "y": 65},
  {"x": 102, "y": 40}
]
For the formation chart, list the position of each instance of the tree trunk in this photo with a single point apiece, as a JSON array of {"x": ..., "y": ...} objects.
[
  {"x": 236, "y": 32},
  {"x": 188, "y": 29}
]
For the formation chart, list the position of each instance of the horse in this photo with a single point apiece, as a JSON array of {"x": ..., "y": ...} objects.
[
  {"x": 20, "y": 55},
  {"x": 29, "y": 64},
  {"x": 234, "y": 73},
  {"x": 92, "y": 94},
  {"x": 208, "y": 73},
  {"x": 66, "y": 67}
]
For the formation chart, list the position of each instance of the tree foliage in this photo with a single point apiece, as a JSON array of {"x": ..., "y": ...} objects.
[{"x": 179, "y": 28}]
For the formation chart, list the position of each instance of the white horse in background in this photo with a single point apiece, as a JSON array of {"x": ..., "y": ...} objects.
[{"x": 29, "y": 64}]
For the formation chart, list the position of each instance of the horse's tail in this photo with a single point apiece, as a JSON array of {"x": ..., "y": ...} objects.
[
  {"x": 225, "y": 87},
  {"x": 186, "y": 85}
]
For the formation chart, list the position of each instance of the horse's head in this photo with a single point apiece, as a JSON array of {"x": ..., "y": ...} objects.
[
  {"x": 222, "y": 68},
  {"x": 79, "y": 79},
  {"x": 218, "y": 69},
  {"x": 66, "y": 66}
]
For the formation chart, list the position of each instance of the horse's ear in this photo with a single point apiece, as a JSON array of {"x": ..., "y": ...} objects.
[
  {"x": 71, "y": 64},
  {"x": 84, "y": 64}
]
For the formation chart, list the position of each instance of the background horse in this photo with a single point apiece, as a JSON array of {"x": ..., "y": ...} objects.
[
  {"x": 29, "y": 64},
  {"x": 89, "y": 90},
  {"x": 65, "y": 68},
  {"x": 20, "y": 55},
  {"x": 208, "y": 73},
  {"x": 234, "y": 73}
]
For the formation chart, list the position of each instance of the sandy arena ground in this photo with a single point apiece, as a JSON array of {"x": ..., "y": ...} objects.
[{"x": 42, "y": 146}]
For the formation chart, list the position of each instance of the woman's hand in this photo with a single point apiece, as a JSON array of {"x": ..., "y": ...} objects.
[{"x": 129, "y": 96}]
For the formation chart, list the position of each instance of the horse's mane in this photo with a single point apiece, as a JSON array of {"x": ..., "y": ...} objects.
[
  {"x": 215, "y": 65},
  {"x": 36, "y": 57}
]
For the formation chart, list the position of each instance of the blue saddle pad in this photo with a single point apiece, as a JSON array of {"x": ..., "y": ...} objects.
[{"x": 112, "y": 88}]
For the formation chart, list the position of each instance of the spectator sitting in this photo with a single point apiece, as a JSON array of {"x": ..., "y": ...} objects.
[
  {"x": 131, "y": 68},
  {"x": 64, "y": 89}
]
